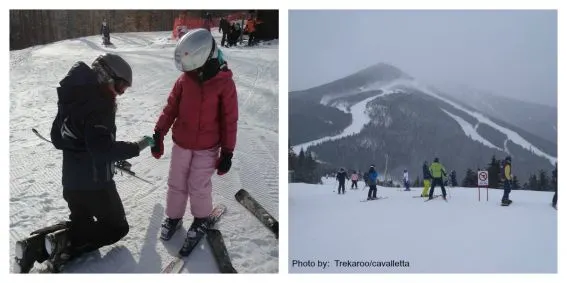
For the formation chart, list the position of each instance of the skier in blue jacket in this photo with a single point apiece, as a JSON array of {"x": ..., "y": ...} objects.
[{"x": 372, "y": 182}]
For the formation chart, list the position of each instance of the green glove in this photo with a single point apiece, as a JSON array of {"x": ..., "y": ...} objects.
[
  {"x": 150, "y": 141},
  {"x": 145, "y": 142}
]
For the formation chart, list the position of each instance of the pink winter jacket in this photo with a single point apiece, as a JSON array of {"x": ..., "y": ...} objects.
[{"x": 354, "y": 177}]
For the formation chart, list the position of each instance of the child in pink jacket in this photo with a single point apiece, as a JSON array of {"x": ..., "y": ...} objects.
[{"x": 203, "y": 110}]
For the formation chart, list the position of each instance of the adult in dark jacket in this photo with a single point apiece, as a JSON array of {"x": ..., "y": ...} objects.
[
  {"x": 85, "y": 130},
  {"x": 105, "y": 32},
  {"x": 224, "y": 27},
  {"x": 341, "y": 177}
]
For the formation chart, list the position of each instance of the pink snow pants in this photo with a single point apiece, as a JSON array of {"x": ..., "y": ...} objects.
[{"x": 190, "y": 173}]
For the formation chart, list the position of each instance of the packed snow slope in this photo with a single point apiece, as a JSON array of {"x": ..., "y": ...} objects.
[
  {"x": 462, "y": 235},
  {"x": 35, "y": 166}
]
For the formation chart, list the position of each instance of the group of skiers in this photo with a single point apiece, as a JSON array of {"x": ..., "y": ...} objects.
[
  {"x": 370, "y": 179},
  {"x": 232, "y": 32},
  {"x": 84, "y": 129}
]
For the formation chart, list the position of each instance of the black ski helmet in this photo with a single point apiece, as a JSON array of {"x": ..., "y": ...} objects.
[
  {"x": 508, "y": 158},
  {"x": 436, "y": 159},
  {"x": 116, "y": 67}
]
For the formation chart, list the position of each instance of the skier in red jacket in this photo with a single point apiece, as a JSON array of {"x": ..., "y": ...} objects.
[{"x": 203, "y": 109}]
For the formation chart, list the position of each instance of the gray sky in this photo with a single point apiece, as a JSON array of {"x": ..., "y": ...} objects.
[{"x": 509, "y": 53}]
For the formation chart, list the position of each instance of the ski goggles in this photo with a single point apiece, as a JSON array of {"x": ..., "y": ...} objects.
[{"x": 120, "y": 86}]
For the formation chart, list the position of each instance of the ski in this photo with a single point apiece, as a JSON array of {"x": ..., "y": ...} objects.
[
  {"x": 244, "y": 198},
  {"x": 214, "y": 237},
  {"x": 378, "y": 198},
  {"x": 120, "y": 165},
  {"x": 174, "y": 266}
]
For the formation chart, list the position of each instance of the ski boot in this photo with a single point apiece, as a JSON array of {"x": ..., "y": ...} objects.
[
  {"x": 169, "y": 227},
  {"x": 32, "y": 249},
  {"x": 58, "y": 247},
  {"x": 194, "y": 235}
]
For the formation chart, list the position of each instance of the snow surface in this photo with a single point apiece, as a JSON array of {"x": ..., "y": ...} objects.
[
  {"x": 463, "y": 235},
  {"x": 359, "y": 119},
  {"x": 470, "y": 131},
  {"x": 35, "y": 171}
]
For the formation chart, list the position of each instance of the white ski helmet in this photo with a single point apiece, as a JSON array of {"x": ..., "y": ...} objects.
[{"x": 194, "y": 49}]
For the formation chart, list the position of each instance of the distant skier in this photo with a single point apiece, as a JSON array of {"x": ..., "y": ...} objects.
[
  {"x": 554, "y": 182},
  {"x": 426, "y": 180},
  {"x": 224, "y": 27},
  {"x": 406, "y": 180},
  {"x": 105, "y": 32},
  {"x": 454, "y": 178},
  {"x": 437, "y": 173},
  {"x": 203, "y": 109},
  {"x": 507, "y": 181},
  {"x": 251, "y": 30},
  {"x": 365, "y": 178},
  {"x": 372, "y": 182},
  {"x": 84, "y": 129},
  {"x": 341, "y": 177},
  {"x": 354, "y": 180}
]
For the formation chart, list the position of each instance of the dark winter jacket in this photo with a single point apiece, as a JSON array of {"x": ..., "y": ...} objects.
[
  {"x": 224, "y": 26},
  {"x": 84, "y": 129},
  {"x": 341, "y": 176},
  {"x": 105, "y": 30},
  {"x": 426, "y": 173}
]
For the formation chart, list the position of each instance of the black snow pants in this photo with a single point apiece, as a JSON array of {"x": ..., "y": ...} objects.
[
  {"x": 434, "y": 182},
  {"x": 372, "y": 191},
  {"x": 97, "y": 219},
  {"x": 354, "y": 184},
  {"x": 342, "y": 185}
]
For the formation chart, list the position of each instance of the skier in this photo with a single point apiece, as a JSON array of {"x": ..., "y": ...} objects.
[
  {"x": 341, "y": 177},
  {"x": 203, "y": 109},
  {"x": 426, "y": 180},
  {"x": 251, "y": 30},
  {"x": 554, "y": 182},
  {"x": 105, "y": 32},
  {"x": 84, "y": 129},
  {"x": 406, "y": 180},
  {"x": 437, "y": 172},
  {"x": 454, "y": 178},
  {"x": 372, "y": 181},
  {"x": 354, "y": 180},
  {"x": 507, "y": 181},
  {"x": 224, "y": 27},
  {"x": 365, "y": 178}
]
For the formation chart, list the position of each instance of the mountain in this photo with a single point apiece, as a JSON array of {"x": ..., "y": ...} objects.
[
  {"x": 387, "y": 118},
  {"x": 535, "y": 118}
]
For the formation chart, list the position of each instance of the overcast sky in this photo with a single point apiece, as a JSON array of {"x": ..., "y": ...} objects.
[{"x": 509, "y": 53}]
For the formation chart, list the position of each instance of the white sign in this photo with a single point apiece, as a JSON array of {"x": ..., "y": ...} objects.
[{"x": 483, "y": 178}]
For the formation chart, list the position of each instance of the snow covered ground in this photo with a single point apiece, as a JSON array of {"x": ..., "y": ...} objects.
[
  {"x": 35, "y": 166},
  {"x": 462, "y": 235}
]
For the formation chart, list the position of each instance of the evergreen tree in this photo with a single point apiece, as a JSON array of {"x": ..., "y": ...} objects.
[
  {"x": 532, "y": 182},
  {"x": 543, "y": 182},
  {"x": 470, "y": 179},
  {"x": 494, "y": 173}
]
